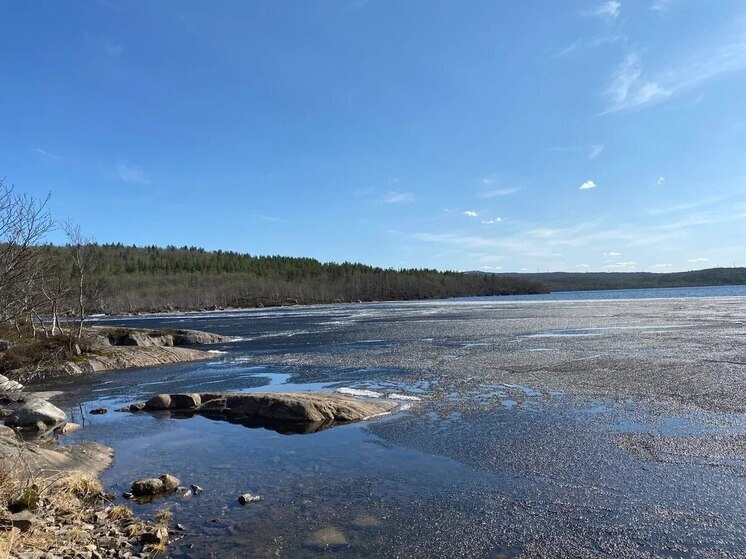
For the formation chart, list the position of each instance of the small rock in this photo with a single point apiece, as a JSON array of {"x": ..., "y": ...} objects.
[
  {"x": 98, "y": 411},
  {"x": 67, "y": 428},
  {"x": 127, "y": 495},
  {"x": 147, "y": 487},
  {"x": 23, "y": 520},
  {"x": 249, "y": 498},
  {"x": 158, "y": 535},
  {"x": 170, "y": 483},
  {"x": 197, "y": 489},
  {"x": 180, "y": 527},
  {"x": 186, "y": 494}
]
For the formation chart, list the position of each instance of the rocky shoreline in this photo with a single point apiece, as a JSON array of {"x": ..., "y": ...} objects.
[
  {"x": 110, "y": 349},
  {"x": 53, "y": 505}
]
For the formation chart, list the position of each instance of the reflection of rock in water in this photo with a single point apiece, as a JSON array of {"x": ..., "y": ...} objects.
[{"x": 279, "y": 426}]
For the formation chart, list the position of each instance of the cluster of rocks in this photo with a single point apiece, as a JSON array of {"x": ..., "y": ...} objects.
[
  {"x": 81, "y": 528},
  {"x": 146, "y": 489}
]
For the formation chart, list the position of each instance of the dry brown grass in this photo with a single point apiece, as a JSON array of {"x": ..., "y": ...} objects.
[
  {"x": 120, "y": 512},
  {"x": 164, "y": 517}
]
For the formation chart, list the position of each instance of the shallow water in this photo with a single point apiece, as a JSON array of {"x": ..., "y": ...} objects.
[{"x": 496, "y": 457}]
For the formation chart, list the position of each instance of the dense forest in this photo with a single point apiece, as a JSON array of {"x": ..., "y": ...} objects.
[
  {"x": 583, "y": 281},
  {"x": 134, "y": 279}
]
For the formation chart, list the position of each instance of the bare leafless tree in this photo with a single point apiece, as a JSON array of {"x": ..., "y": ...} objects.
[
  {"x": 82, "y": 251},
  {"x": 24, "y": 222}
]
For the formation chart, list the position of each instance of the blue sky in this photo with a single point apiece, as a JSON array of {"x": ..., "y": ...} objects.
[{"x": 503, "y": 136}]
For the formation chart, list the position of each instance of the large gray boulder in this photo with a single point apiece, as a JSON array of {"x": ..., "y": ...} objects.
[
  {"x": 32, "y": 413},
  {"x": 294, "y": 407}
]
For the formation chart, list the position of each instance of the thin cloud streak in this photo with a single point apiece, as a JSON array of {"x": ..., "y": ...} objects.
[
  {"x": 496, "y": 193},
  {"x": 398, "y": 197},
  {"x": 632, "y": 88}
]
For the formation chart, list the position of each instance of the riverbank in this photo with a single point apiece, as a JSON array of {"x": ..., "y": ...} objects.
[
  {"x": 27, "y": 359},
  {"x": 53, "y": 506}
]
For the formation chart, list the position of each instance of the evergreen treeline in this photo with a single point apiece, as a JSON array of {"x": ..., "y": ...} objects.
[
  {"x": 584, "y": 281},
  {"x": 135, "y": 279}
]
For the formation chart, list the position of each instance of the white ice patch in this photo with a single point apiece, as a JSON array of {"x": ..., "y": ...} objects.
[
  {"x": 395, "y": 396},
  {"x": 359, "y": 392}
]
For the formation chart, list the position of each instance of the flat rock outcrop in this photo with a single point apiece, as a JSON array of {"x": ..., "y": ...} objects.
[
  {"x": 128, "y": 357},
  {"x": 161, "y": 338},
  {"x": 46, "y": 460},
  {"x": 316, "y": 409}
]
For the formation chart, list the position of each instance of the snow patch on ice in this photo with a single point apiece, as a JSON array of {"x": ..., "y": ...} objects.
[
  {"x": 359, "y": 392},
  {"x": 395, "y": 396}
]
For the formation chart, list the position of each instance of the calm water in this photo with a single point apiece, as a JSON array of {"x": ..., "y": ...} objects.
[
  {"x": 611, "y": 294},
  {"x": 484, "y": 466}
]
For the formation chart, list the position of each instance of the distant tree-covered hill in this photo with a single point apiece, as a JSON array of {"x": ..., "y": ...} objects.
[
  {"x": 583, "y": 281},
  {"x": 131, "y": 279}
]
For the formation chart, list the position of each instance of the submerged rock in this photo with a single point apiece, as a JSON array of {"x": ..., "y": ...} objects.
[
  {"x": 99, "y": 411},
  {"x": 249, "y": 498},
  {"x": 328, "y": 537}
]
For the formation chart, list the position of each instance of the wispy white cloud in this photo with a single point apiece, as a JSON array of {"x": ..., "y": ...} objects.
[
  {"x": 470, "y": 213},
  {"x": 126, "y": 172},
  {"x": 582, "y": 266},
  {"x": 111, "y": 48},
  {"x": 587, "y": 185},
  {"x": 609, "y": 10},
  {"x": 612, "y": 253},
  {"x": 497, "y": 192},
  {"x": 629, "y": 89},
  {"x": 660, "y": 181},
  {"x": 398, "y": 197},
  {"x": 659, "y": 267},
  {"x": 632, "y": 88},
  {"x": 696, "y": 260},
  {"x": 271, "y": 218},
  {"x": 46, "y": 155},
  {"x": 591, "y": 151},
  {"x": 595, "y": 150},
  {"x": 622, "y": 266},
  {"x": 661, "y": 5},
  {"x": 492, "y": 221},
  {"x": 581, "y": 44}
]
